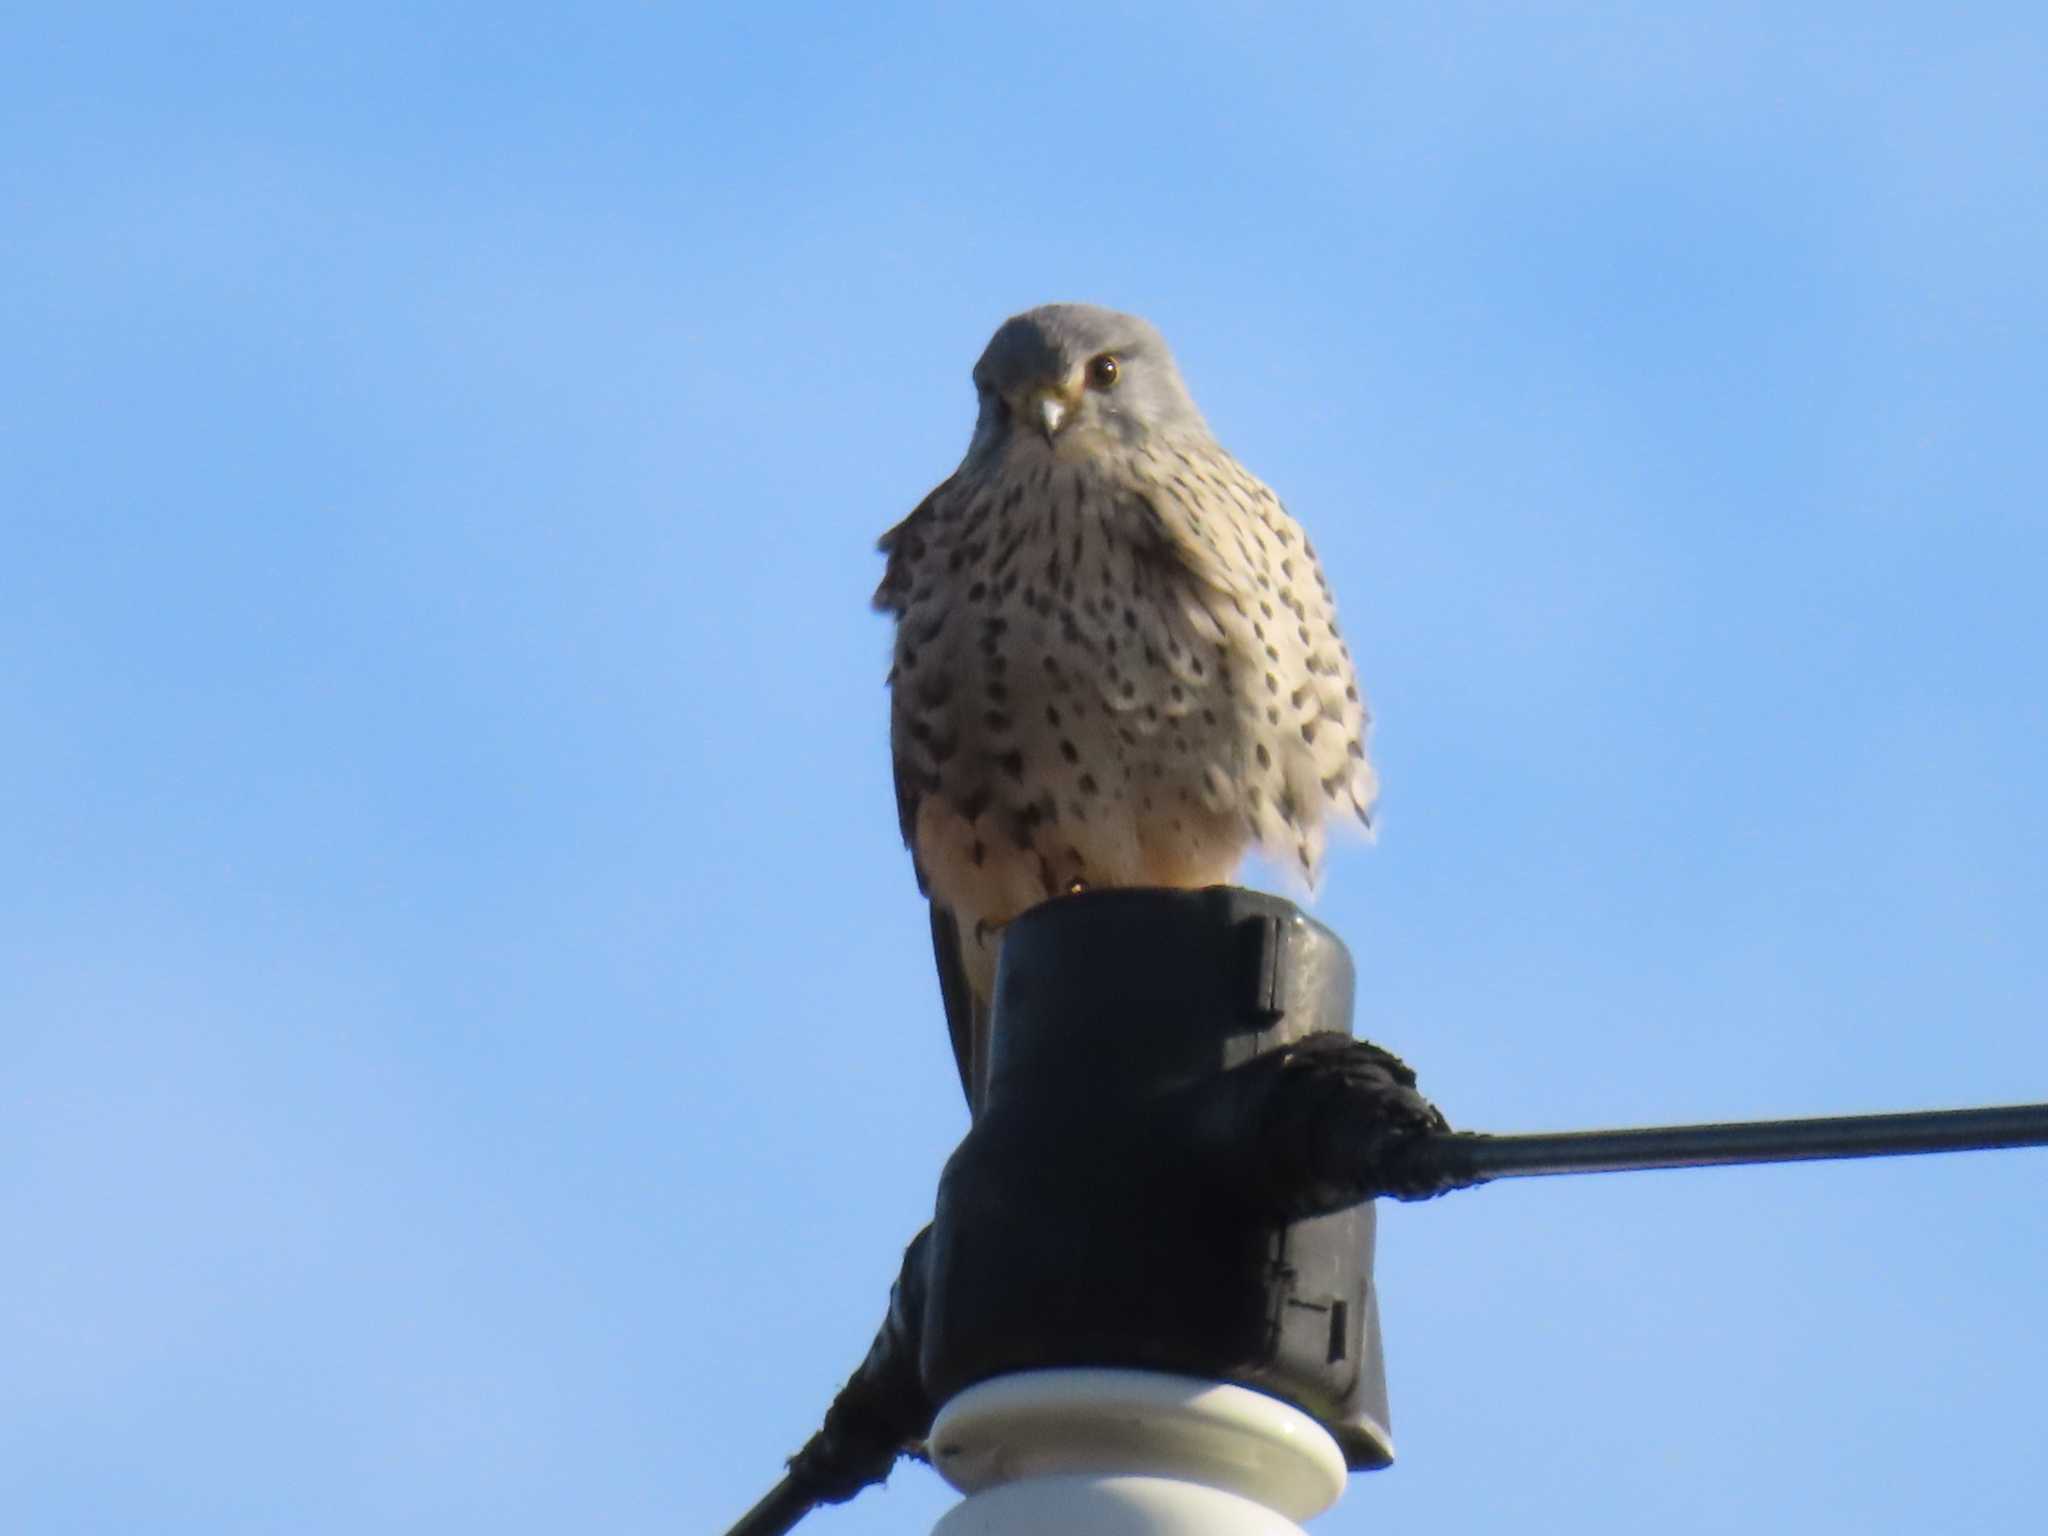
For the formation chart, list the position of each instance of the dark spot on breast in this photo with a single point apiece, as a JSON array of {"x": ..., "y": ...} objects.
[
  {"x": 1088, "y": 785},
  {"x": 1265, "y": 758},
  {"x": 1024, "y": 825},
  {"x": 1006, "y": 554},
  {"x": 1011, "y": 763},
  {"x": 1069, "y": 751}
]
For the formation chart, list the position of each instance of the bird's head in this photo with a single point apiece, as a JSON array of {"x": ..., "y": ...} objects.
[{"x": 1076, "y": 380}]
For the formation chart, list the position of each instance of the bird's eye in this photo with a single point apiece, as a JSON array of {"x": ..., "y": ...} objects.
[{"x": 1102, "y": 371}]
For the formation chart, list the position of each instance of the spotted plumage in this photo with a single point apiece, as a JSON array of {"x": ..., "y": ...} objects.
[{"x": 1117, "y": 660}]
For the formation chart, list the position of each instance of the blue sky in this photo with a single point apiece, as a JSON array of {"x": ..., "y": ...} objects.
[{"x": 469, "y": 1058}]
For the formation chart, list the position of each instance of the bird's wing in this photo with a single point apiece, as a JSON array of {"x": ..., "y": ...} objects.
[
  {"x": 965, "y": 972},
  {"x": 903, "y": 545}
]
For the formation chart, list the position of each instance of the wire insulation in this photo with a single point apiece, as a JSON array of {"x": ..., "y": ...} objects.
[{"x": 1477, "y": 1158}]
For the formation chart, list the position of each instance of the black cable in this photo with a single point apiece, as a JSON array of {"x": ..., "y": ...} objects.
[
  {"x": 780, "y": 1509},
  {"x": 1462, "y": 1159},
  {"x": 881, "y": 1412}
]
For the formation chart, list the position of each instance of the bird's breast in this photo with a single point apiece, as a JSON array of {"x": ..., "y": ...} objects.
[{"x": 1063, "y": 700}]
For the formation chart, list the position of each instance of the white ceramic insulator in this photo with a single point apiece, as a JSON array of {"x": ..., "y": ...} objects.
[{"x": 1130, "y": 1453}]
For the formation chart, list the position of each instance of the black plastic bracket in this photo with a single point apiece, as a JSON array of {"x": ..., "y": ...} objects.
[{"x": 1139, "y": 1189}]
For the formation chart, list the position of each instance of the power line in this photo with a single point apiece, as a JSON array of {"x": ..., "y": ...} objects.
[{"x": 1466, "y": 1158}]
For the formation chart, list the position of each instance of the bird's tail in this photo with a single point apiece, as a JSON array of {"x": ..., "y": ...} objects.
[{"x": 966, "y": 958}]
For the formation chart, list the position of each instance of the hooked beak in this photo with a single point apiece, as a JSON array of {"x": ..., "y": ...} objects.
[{"x": 1045, "y": 410}]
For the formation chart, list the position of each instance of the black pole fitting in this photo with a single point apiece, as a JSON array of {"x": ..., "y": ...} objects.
[{"x": 1138, "y": 1190}]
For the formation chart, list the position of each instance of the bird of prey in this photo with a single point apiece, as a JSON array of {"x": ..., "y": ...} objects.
[{"x": 1116, "y": 658}]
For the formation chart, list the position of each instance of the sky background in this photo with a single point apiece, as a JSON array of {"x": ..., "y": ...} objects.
[{"x": 469, "y": 1054}]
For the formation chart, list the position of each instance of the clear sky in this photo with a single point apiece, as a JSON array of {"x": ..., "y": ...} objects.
[{"x": 469, "y": 1055}]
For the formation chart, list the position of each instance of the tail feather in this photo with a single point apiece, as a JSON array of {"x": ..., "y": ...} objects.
[{"x": 966, "y": 963}]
